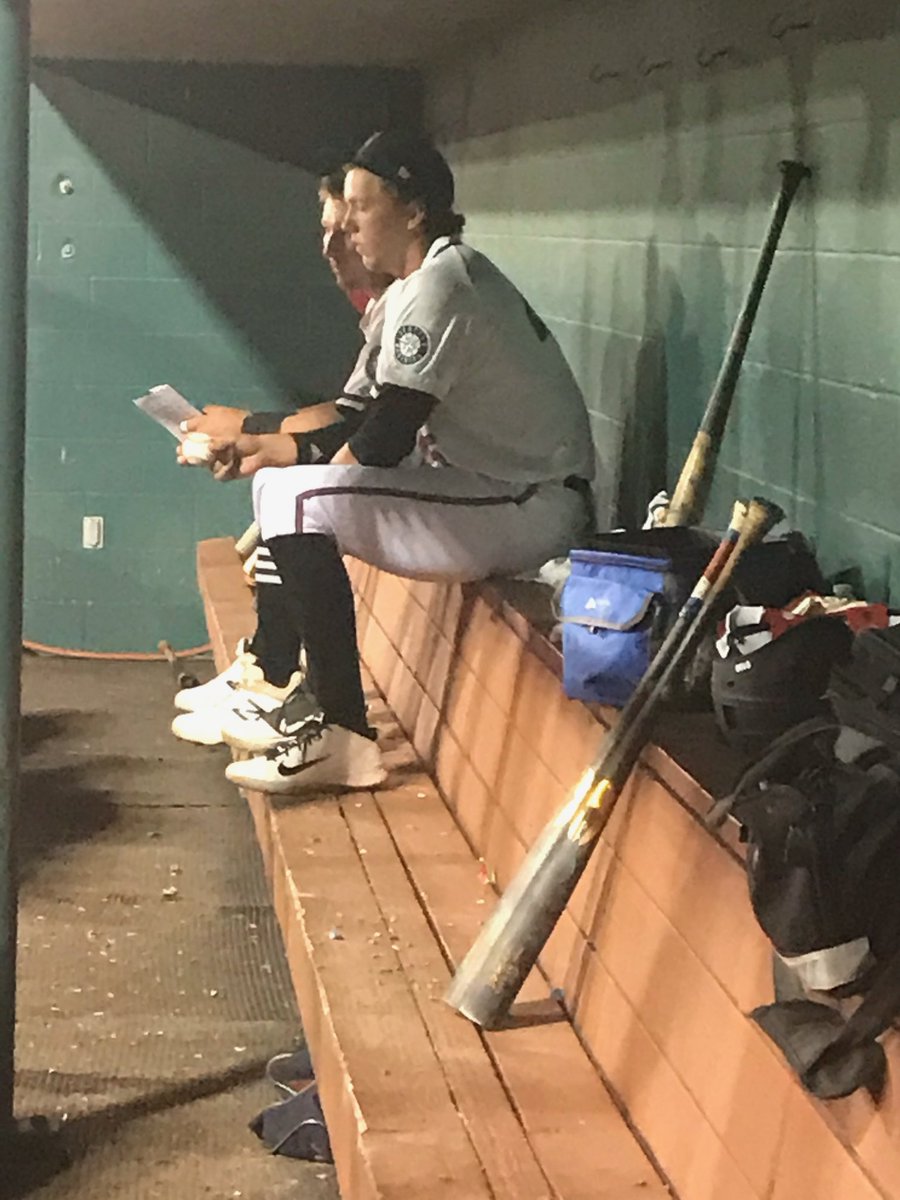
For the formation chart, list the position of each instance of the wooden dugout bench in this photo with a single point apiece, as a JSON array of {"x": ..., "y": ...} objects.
[{"x": 654, "y": 1083}]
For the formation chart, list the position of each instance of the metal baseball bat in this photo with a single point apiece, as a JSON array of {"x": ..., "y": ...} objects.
[
  {"x": 689, "y": 499},
  {"x": 490, "y": 976}
]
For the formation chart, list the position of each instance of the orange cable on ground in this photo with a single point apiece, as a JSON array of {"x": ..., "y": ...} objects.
[{"x": 124, "y": 656}]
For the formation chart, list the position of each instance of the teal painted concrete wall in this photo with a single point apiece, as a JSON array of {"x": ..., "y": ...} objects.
[
  {"x": 187, "y": 253},
  {"x": 620, "y": 160}
]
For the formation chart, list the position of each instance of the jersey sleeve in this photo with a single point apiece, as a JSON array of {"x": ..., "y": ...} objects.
[{"x": 424, "y": 340}]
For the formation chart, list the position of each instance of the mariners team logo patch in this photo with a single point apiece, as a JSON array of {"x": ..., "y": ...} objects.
[{"x": 411, "y": 344}]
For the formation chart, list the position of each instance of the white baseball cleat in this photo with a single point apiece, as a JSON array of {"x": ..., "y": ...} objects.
[
  {"x": 257, "y": 728},
  {"x": 204, "y": 727},
  {"x": 318, "y": 758},
  {"x": 219, "y": 690}
]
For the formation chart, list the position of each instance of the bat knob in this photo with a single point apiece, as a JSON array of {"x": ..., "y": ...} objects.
[
  {"x": 763, "y": 515},
  {"x": 794, "y": 171}
]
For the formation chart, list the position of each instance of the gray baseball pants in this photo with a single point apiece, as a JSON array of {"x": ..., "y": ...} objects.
[{"x": 423, "y": 522}]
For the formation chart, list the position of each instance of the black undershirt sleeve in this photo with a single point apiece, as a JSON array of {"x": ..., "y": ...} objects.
[
  {"x": 328, "y": 441},
  {"x": 388, "y": 430},
  {"x": 263, "y": 422},
  {"x": 351, "y": 410}
]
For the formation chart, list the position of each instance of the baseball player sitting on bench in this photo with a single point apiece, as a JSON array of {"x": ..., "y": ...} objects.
[
  {"x": 473, "y": 459},
  {"x": 221, "y": 708}
]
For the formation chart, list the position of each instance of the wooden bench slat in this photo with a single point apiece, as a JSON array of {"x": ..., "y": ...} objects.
[
  {"x": 582, "y": 1142},
  {"x": 364, "y": 998},
  {"x": 506, "y": 1156}
]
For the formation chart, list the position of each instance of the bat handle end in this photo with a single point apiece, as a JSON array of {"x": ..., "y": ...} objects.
[{"x": 795, "y": 170}]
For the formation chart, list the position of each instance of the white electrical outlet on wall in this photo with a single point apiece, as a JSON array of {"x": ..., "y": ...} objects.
[{"x": 92, "y": 533}]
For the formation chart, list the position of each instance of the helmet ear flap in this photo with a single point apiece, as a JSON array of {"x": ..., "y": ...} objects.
[{"x": 757, "y": 696}]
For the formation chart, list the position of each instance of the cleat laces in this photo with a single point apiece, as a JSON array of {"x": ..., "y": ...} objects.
[
  {"x": 283, "y": 719},
  {"x": 297, "y": 752}
]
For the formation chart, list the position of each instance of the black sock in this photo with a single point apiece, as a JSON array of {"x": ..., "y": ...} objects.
[
  {"x": 316, "y": 583},
  {"x": 277, "y": 641}
]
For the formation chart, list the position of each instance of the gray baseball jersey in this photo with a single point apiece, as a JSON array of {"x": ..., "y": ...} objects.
[
  {"x": 356, "y": 395},
  {"x": 509, "y": 430},
  {"x": 358, "y": 388},
  {"x": 508, "y": 404}
]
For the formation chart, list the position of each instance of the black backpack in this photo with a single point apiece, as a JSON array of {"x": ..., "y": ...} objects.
[
  {"x": 866, "y": 693},
  {"x": 820, "y": 813}
]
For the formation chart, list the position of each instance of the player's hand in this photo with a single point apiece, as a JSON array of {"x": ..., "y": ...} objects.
[
  {"x": 266, "y": 450},
  {"x": 250, "y": 452},
  {"x": 218, "y": 421},
  {"x": 195, "y": 451}
]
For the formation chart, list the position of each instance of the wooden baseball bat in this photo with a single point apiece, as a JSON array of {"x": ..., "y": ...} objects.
[
  {"x": 489, "y": 978},
  {"x": 247, "y": 542},
  {"x": 689, "y": 498}
]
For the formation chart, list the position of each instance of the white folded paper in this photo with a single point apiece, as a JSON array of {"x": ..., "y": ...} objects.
[{"x": 167, "y": 407}]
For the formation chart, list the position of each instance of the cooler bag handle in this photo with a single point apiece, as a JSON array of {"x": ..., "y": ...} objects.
[{"x": 628, "y": 622}]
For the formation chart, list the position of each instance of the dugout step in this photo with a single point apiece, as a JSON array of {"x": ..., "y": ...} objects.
[{"x": 377, "y": 893}]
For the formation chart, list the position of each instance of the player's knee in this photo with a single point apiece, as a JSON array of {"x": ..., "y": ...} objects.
[
  {"x": 265, "y": 477},
  {"x": 263, "y": 481}
]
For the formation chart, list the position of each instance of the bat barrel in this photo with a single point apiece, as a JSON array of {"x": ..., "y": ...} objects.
[{"x": 485, "y": 985}]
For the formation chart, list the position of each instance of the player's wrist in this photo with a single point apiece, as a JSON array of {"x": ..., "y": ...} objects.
[{"x": 301, "y": 442}]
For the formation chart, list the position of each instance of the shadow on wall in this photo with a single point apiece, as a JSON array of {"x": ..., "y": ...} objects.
[
  {"x": 696, "y": 335},
  {"x": 644, "y": 451},
  {"x": 654, "y": 387},
  {"x": 308, "y": 117},
  {"x": 207, "y": 158},
  {"x": 184, "y": 248}
]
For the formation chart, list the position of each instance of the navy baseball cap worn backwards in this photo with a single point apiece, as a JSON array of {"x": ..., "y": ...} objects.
[{"x": 415, "y": 168}]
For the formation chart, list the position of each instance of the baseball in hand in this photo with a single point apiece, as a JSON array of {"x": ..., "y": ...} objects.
[{"x": 196, "y": 450}]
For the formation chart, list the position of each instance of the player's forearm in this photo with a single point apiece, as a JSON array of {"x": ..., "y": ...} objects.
[{"x": 316, "y": 416}]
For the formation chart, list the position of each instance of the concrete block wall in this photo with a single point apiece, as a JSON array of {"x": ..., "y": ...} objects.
[
  {"x": 619, "y": 161},
  {"x": 187, "y": 252}
]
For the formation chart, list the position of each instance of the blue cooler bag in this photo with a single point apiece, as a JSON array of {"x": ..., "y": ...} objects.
[{"x": 617, "y": 605}]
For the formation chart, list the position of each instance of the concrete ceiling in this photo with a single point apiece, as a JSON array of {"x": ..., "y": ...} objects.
[{"x": 406, "y": 33}]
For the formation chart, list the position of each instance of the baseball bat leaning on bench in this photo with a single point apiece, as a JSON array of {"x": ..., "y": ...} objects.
[
  {"x": 532, "y": 865},
  {"x": 489, "y": 977},
  {"x": 689, "y": 498}
]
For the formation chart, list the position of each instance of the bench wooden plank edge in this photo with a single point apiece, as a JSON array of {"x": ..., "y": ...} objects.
[
  {"x": 581, "y": 1139},
  {"x": 508, "y": 1159},
  {"x": 379, "y": 1071}
]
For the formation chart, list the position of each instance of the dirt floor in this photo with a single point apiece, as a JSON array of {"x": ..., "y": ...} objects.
[{"x": 152, "y": 982}]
